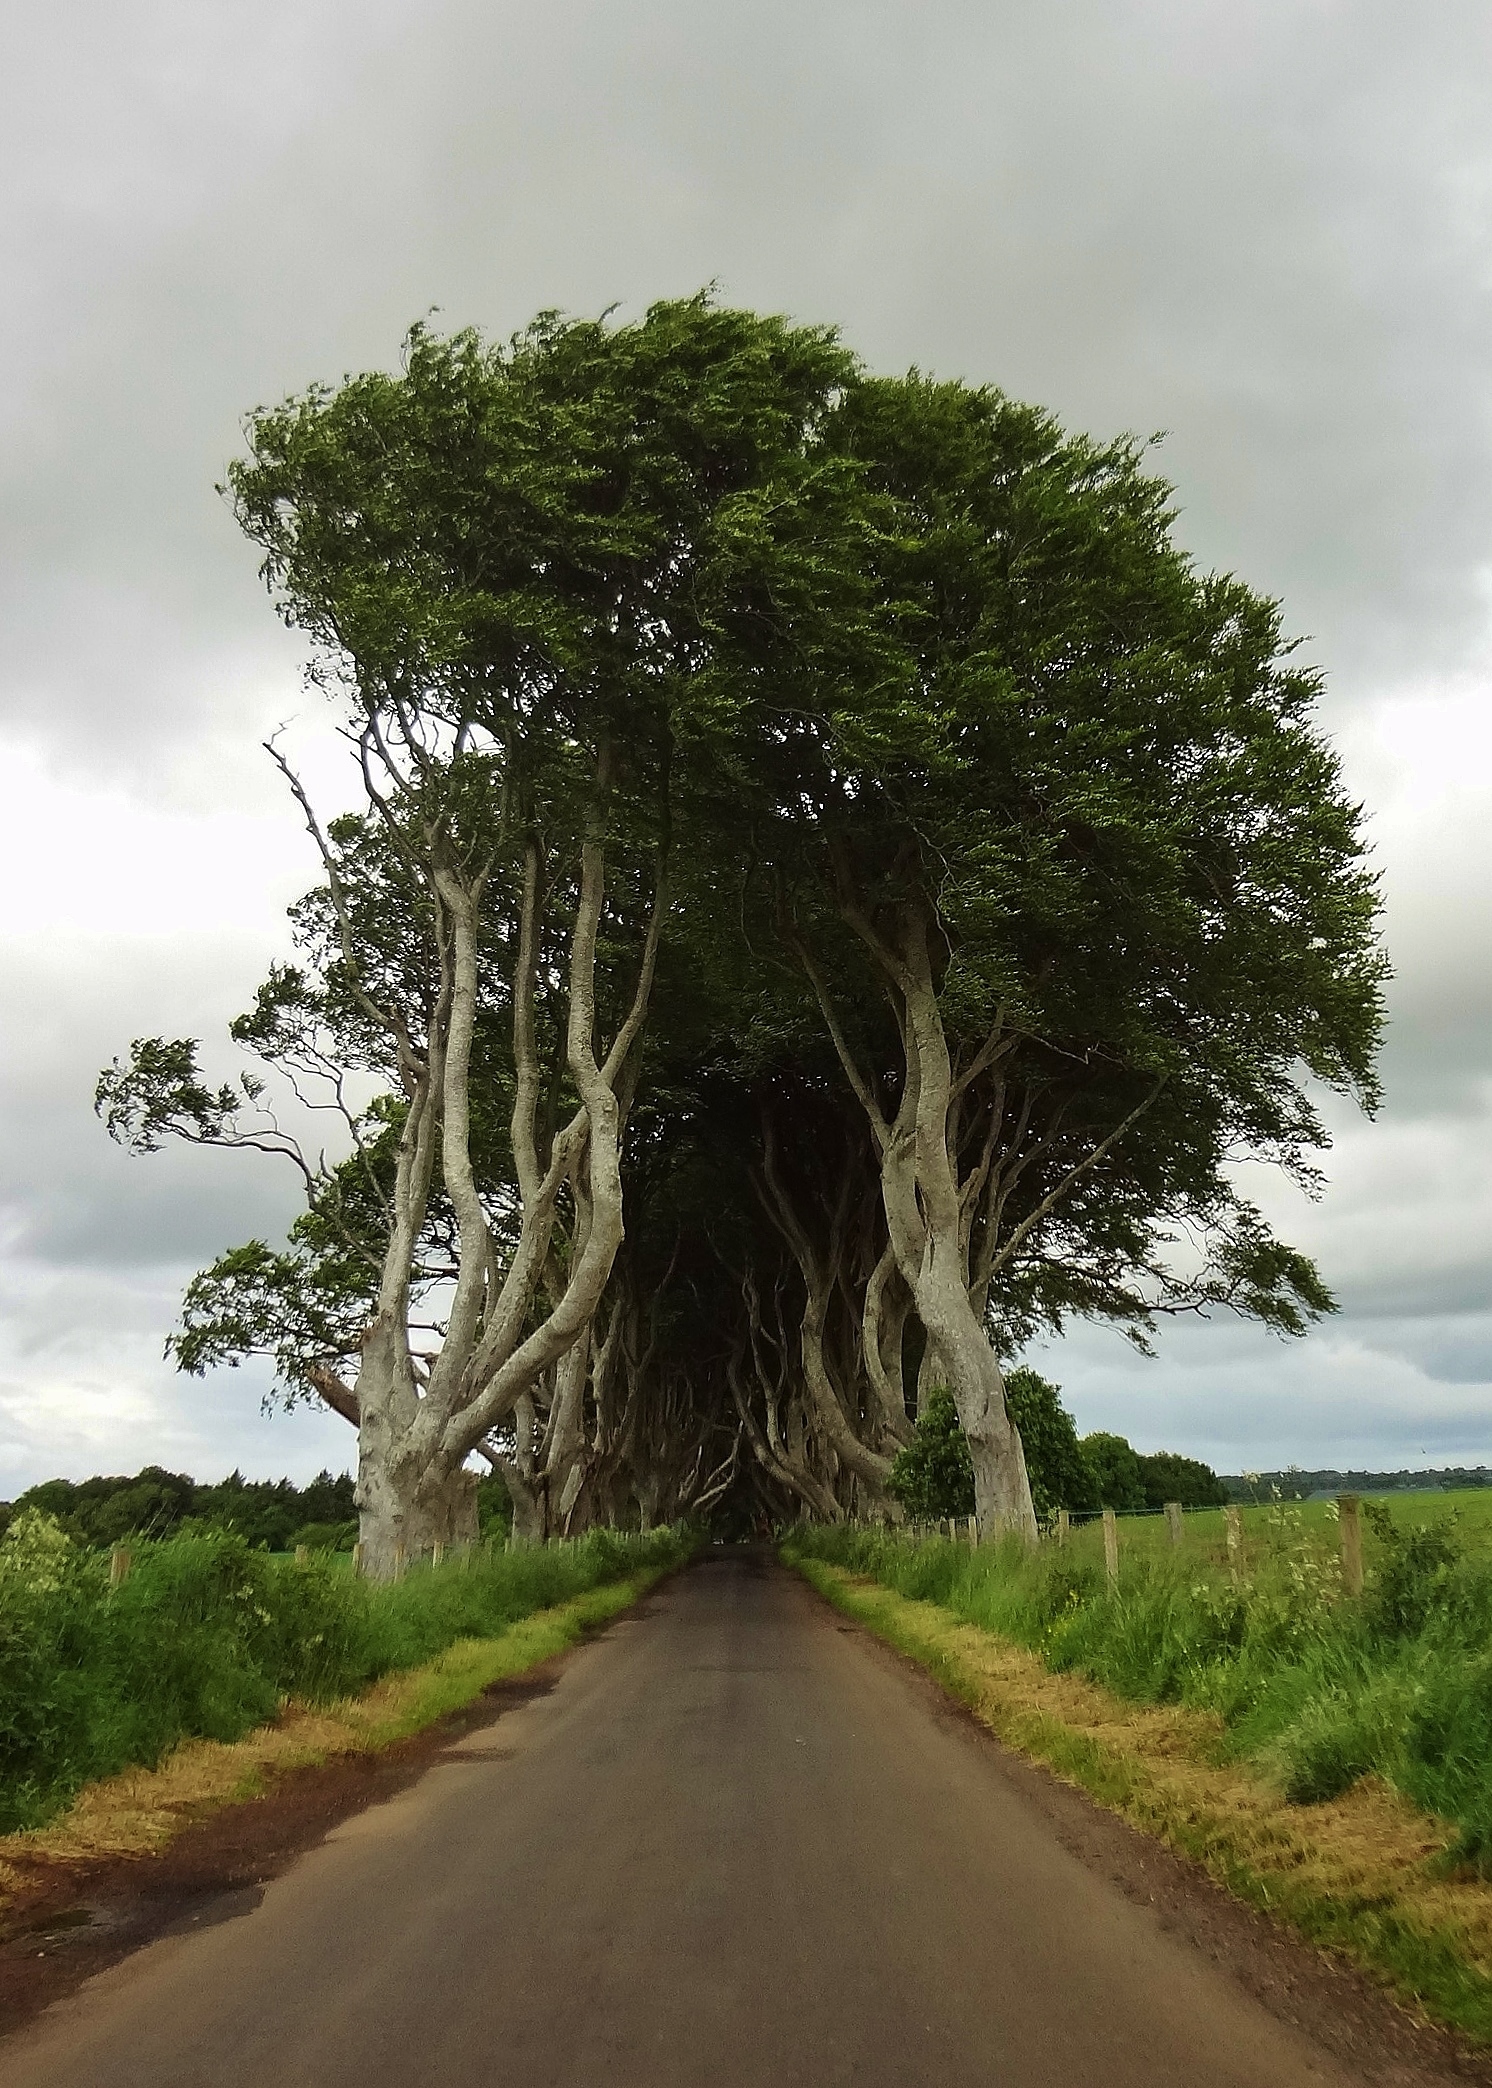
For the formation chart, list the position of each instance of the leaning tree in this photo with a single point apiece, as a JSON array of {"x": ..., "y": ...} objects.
[
  {"x": 510, "y": 563},
  {"x": 994, "y": 884},
  {"x": 1073, "y": 880}
]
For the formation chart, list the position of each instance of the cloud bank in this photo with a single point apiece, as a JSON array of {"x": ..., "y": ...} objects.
[{"x": 1263, "y": 230}]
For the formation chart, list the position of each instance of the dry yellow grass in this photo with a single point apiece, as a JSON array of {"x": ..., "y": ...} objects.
[
  {"x": 1362, "y": 1874},
  {"x": 139, "y": 1811}
]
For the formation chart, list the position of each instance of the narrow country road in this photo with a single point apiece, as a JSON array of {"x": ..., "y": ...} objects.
[{"x": 734, "y": 1847}]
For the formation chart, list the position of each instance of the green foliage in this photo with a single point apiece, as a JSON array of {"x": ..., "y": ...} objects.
[
  {"x": 207, "y": 1635},
  {"x": 1059, "y": 1475},
  {"x": 933, "y": 1476},
  {"x": 305, "y": 1307},
  {"x": 1165, "y": 1476},
  {"x": 37, "y": 1555},
  {"x": 325, "y": 1536},
  {"x": 159, "y": 1092},
  {"x": 1316, "y": 1689},
  {"x": 494, "y": 1508},
  {"x": 1416, "y": 1573},
  {"x": 1115, "y": 1469},
  {"x": 157, "y": 1503},
  {"x": 101, "y": 1511},
  {"x": 1095, "y": 769}
]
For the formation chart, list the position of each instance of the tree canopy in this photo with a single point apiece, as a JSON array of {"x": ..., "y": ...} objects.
[{"x": 838, "y": 894}]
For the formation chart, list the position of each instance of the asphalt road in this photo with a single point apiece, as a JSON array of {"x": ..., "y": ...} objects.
[{"x": 734, "y": 1845}]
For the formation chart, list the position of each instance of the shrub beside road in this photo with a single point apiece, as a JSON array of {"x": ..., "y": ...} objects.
[{"x": 207, "y": 1637}]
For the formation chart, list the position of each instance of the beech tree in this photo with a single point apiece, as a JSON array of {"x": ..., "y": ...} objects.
[
  {"x": 1066, "y": 814},
  {"x": 507, "y": 561},
  {"x": 834, "y": 806}
]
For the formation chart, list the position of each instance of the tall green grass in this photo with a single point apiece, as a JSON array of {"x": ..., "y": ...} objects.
[
  {"x": 206, "y": 1636},
  {"x": 1314, "y": 1687}
]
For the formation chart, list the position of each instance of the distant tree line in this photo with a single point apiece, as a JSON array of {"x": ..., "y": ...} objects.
[
  {"x": 933, "y": 1476},
  {"x": 273, "y": 1513},
  {"x": 1294, "y": 1484}
]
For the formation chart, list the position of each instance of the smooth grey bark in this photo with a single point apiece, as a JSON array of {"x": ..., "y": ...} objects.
[
  {"x": 831, "y": 1421},
  {"x": 519, "y": 1475},
  {"x": 924, "y": 1217},
  {"x": 418, "y": 1426},
  {"x": 930, "y": 1211},
  {"x": 781, "y": 1454},
  {"x": 887, "y": 1307},
  {"x": 483, "y": 1364}
]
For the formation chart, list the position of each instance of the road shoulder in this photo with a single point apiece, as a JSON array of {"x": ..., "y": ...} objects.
[
  {"x": 152, "y": 1852},
  {"x": 1135, "y": 1794}
]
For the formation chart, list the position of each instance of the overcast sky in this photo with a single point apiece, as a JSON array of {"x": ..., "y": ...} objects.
[{"x": 1265, "y": 228}]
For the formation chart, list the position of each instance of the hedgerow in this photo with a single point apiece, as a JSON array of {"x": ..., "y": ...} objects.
[{"x": 207, "y": 1636}]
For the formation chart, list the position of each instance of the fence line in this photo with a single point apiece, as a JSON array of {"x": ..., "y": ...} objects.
[{"x": 964, "y": 1529}]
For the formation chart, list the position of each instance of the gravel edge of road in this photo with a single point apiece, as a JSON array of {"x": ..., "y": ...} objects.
[{"x": 1357, "y": 2009}]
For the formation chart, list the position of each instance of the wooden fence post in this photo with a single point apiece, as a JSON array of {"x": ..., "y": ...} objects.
[
  {"x": 1064, "y": 1524},
  {"x": 1349, "y": 1525},
  {"x": 1111, "y": 1546},
  {"x": 303, "y": 1555},
  {"x": 973, "y": 1529},
  {"x": 357, "y": 1559},
  {"x": 119, "y": 1564},
  {"x": 400, "y": 1561},
  {"x": 437, "y": 1552},
  {"x": 1233, "y": 1517},
  {"x": 1173, "y": 1522}
]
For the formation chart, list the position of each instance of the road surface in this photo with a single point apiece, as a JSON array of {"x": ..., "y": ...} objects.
[{"x": 735, "y": 1845}]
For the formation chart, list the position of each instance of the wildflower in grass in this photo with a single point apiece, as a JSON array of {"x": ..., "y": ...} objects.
[{"x": 36, "y": 1554}]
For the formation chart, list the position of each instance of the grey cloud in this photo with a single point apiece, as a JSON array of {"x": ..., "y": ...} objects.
[
  {"x": 1259, "y": 237},
  {"x": 133, "y": 1411},
  {"x": 1260, "y": 228},
  {"x": 1243, "y": 1399},
  {"x": 171, "y": 1208},
  {"x": 1454, "y": 1348},
  {"x": 67, "y": 1194}
]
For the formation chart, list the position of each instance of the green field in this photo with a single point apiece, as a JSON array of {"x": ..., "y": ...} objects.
[{"x": 1269, "y": 1527}]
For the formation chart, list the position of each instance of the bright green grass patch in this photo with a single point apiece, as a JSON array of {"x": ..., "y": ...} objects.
[
  {"x": 1376, "y": 1922},
  {"x": 1206, "y": 1531},
  {"x": 1314, "y": 1688},
  {"x": 207, "y": 1637}
]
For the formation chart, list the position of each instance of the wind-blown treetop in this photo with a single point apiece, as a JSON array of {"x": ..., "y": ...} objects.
[
  {"x": 526, "y": 536},
  {"x": 834, "y": 805},
  {"x": 1069, "y": 814},
  {"x": 508, "y": 560}
]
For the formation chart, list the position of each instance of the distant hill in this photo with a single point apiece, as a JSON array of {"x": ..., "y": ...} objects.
[{"x": 1296, "y": 1485}]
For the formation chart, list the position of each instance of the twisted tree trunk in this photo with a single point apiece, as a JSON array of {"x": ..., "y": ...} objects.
[
  {"x": 417, "y": 1428},
  {"x": 924, "y": 1214}
]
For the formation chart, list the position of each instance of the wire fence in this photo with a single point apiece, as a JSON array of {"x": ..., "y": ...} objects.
[{"x": 1222, "y": 1531}]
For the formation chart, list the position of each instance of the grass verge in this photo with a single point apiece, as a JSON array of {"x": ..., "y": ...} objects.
[
  {"x": 1364, "y": 1874},
  {"x": 139, "y": 1811},
  {"x": 204, "y": 1638}
]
